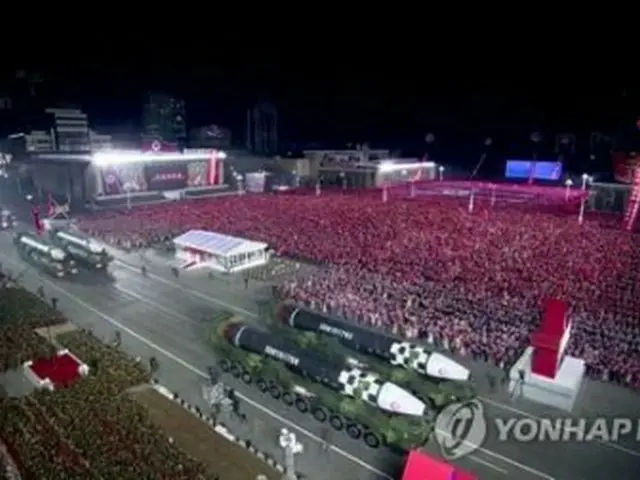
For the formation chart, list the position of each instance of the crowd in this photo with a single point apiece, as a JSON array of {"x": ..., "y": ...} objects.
[
  {"x": 429, "y": 268},
  {"x": 88, "y": 430}
]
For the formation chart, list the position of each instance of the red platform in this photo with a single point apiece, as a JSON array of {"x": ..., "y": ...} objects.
[
  {"x": 62, "y": 370},
  {"x": 551, "y": 338},
  {"x": 421, "y": 466}
]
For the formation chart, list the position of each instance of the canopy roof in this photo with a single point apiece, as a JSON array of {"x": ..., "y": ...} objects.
[{"x": 217, "y": 243}]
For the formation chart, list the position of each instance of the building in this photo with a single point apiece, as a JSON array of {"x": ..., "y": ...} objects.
[
  {"x": 35, "y": 141},
  {"x": 262, "y": 129},
  {"x": 69, "y": 129},
  {"x": 99, "y": 141},
  {"x": 210, "y": 136},
  {"x": 164, "y": 118}
]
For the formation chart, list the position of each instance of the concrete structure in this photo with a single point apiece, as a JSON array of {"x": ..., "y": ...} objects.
[{"x": 164, "y": 117}]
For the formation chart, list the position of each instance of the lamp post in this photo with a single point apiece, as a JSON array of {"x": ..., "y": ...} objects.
[
  {"x": 289, "y": 443},
  {"x": 568, "y": 183},
  {"x": 240, "y": 183},
  {"x": 586, "y": 179},
  {"x": 440, "y": 172}
]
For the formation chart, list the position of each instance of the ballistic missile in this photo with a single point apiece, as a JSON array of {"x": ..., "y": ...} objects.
[
  {"x": 395, "y": 351},
  {"x": 348, "y": 381},
  {"x": 79, "y": 241},
  {"x": 36, "y": 243}
]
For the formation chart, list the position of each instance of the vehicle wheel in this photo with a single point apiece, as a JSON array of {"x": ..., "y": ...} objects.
[
  {"x": 320, "y": 415},
  {"x": 371, "y": 440},
  {"x": 225, "y": 365},
  {"x": 336, "y": 422},
  {"x": 262, "y": 385},
  {"x": 246, "y": 377},
  {"x": 302, "y": 405},
  {"x": 354, "y": 431},
  {"x": 275, "y": 391},
  {"x": 236, "y": 371},
  {"x": 288, "y": 398}
]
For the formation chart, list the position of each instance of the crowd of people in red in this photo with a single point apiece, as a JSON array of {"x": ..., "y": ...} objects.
[{"x": 473, "y": 282}]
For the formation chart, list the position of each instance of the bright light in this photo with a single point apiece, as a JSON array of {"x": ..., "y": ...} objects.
[
  {"x": 393, "y": 167},
  {"x": 568, "y": 182},
  {"x": 585, "y": 176},
  {"x": 441, "y": 169},
  {"x": 115, "y": 158},
  {"x": 221, "y": 155}
]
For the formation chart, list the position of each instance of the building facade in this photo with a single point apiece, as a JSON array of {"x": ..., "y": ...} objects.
[
  {"x": 69, "y": 129},
  {"x": 164, "y": 118},
  {"x": 262, "y": 129},
  {"x": 210, "y": 136}
]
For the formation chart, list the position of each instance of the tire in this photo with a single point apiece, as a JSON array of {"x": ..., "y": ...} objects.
[
  {"x": 320, "y": 415},
  {"x": 336, "y": 422},
  {"x": 288, "y": 398},
  {"x": 236, "y": 370},
  {"x": 302, "y": 405},
  {"x": 354, "y": 431},
  {"x": 246, "y": 377},
  {"x": 372, "y": 440},
  {"x": 274, "y": 391},
  {"x": 262, "y": 385},
  {"x": 225, "y": 365}
]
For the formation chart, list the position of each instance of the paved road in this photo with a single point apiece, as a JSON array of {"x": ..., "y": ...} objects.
[{"x": 160, "y": 314}]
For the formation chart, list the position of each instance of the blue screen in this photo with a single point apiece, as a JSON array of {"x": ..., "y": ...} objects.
[{"x": 541, "y": 170}]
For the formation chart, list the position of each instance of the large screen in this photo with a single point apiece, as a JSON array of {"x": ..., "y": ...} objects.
[
  {"x": 535, "y": 170},
  {"x": 166, "y": 176}
]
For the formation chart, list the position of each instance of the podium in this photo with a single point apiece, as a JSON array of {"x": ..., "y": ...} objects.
[{"x": 543, "y": 373}]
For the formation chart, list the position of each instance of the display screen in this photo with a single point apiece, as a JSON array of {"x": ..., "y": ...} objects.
[
  {"x": 166, "y": 176},
  {"x": 536, "y": 170}
]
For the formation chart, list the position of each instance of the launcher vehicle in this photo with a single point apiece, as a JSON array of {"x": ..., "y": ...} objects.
[
  {"x": 434, "y": 377},
  {"x": 361, "y": 403},
  {"x": 39, "y": 252},
  {"x": 83, "y": 249}
]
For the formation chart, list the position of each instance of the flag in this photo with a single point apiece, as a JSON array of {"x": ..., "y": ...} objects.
[{"x": 37, "y": 223}]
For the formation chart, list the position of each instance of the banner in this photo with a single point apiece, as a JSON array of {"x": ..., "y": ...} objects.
[
  {"x": 624, "y": 165},
  {"x": 166, "y": 176},
  {"x": 533, "y": 170}
]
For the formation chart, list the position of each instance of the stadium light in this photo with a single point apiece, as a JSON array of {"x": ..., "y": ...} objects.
[
  {"x": 568, "y": 183},
  {"x": 585, "y": 180},
  {"x": 440, "y": 172},
  {"x": 120, "y": 157}
]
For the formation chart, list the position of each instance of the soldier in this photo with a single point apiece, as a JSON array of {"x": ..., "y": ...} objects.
[
  {"x": 153, "y": 364},
  {"x": 246, "y": 282},
  {"x": 40, "y": 291},
  {"x": 325, "y": 436},
  {"x": 143, "y": 270},
  {"x": 175, "y": 271},
  {"x": 54, "y": 303},
  {"x": 492, "y": 382}
]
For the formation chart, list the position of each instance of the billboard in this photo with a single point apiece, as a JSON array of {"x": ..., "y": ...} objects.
[
  {"x": 166, "y": 176},
  {"x": 524, "y": 169}
]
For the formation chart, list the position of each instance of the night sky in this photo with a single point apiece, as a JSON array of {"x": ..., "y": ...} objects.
[{"x": 321, "y": 97}]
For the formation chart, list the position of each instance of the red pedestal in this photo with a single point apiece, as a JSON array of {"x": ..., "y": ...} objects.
[{"x": 550, "y": 340}]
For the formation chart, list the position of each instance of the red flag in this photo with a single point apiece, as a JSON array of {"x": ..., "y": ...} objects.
[{"x": 37, "y": 223}]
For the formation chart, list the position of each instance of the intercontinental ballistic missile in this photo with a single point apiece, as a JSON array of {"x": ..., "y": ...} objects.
[
  {"x": 338, "y": 376},
  {"x": 396, "y": 352},
  {"x": 81, "y": 247},
  {"x": 32, "y": 242}
]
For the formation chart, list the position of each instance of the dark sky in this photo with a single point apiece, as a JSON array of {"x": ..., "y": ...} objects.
[{"x": 335, "y": 96}]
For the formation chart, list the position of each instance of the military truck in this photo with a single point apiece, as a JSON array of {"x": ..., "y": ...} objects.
[
  {"x": 361, "y": 403},
  {"x": 434, "y": 377}
]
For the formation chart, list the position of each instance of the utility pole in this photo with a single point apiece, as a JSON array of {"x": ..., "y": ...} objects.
[{"x": 291, "y": 447}]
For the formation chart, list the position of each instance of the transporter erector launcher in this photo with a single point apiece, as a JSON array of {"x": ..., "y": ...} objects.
[
  {"x": 81, "y": 247},
  {"x": 44, "y": 253},
  {"x": 346, "y": 380},
  {"x": 396, "y": 352}
]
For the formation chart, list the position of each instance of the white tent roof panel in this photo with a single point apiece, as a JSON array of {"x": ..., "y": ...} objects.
[{"x": 217, "y": 243}]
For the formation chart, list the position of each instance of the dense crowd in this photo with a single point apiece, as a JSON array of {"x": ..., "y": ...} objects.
[
  {"x": 89, "y": 430},
  {"x": 473, "y": 282}
]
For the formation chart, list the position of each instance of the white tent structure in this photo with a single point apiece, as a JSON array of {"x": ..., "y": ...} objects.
[{"x": 223, "y": 253}]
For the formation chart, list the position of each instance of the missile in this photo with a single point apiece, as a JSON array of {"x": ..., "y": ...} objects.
[
  {"x": 339, "y": 376},
  {"x": 79, "y": 241},
  {"x": 31, "y": 241},
  {"x": 396, "y": 352}
]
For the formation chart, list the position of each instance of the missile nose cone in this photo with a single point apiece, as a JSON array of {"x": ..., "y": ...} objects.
[
  {"x": 392, "y": 398},
  {"x": 443, "y": 367}
]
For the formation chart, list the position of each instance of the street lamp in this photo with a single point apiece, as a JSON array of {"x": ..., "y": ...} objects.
[
  {"x": 568, "y": 183},
  {"x": 440, "y": 172},
  {"x": 585, "y": 180},
  {"x": 291, "y": 447}
]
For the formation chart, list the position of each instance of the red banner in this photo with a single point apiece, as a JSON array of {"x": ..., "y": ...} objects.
[{"x": 624, "y": 165}]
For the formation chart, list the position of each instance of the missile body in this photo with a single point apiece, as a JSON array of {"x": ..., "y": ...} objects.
[
  {"x": 82, "y": 248},
  {"x": 338, "y": 376},
  {"x": 43, "y": 247},
  {"x": 396, "y": 352}
]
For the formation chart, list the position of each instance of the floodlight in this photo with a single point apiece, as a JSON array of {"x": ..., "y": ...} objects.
[
  {"x": 585, "y": 176},
  {"x": 441, "y": 168}
]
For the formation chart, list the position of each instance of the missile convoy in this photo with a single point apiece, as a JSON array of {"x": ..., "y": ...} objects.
[
  {"x": 362, "y": 403},
  {"x": 81, "y": 248},
  {"x": 41, "y": 253},
  {"x": 434, "y": 377}
]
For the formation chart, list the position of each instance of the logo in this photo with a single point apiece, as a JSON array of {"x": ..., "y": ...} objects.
[
  {"x": 338, "y": 332},
  {"x": 156, "y": 146},
  {"x": 460, "y": 429}
]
